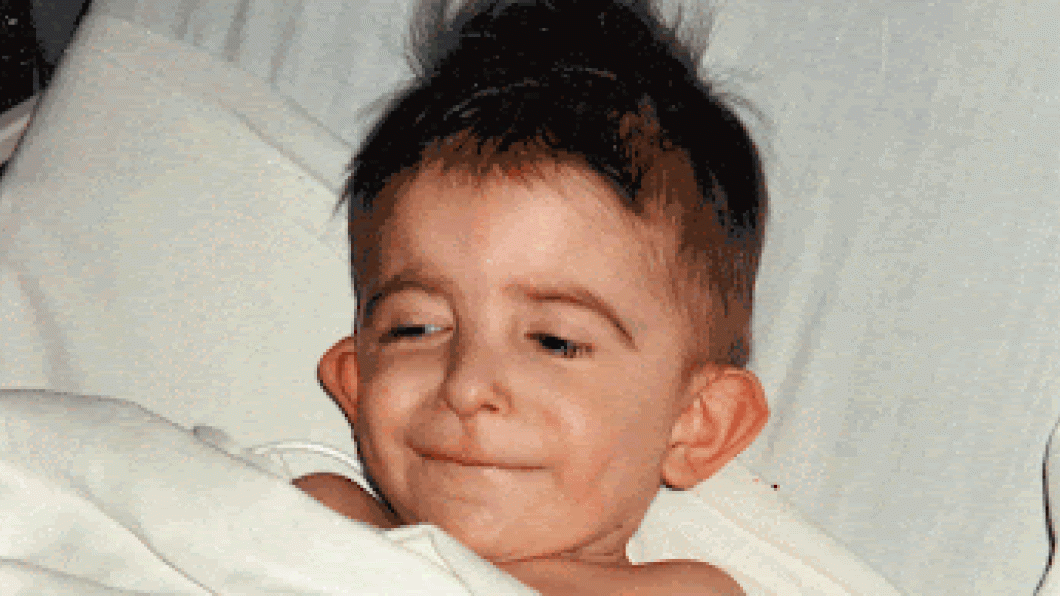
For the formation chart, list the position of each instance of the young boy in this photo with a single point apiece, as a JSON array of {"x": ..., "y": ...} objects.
[{"x": 555, "y": 233}]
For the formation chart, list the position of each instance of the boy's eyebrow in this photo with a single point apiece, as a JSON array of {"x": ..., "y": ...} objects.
[
  {"x": 407, "y": 279},
  {"x": 576, "y": 296}
]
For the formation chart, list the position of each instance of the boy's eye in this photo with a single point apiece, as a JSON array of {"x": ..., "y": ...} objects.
[
  {"x": 400, "y": 332},
  {"x": 562, "y": 347}
]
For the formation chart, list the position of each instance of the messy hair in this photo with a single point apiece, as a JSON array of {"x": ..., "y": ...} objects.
[{"x": 603, "y": 85}]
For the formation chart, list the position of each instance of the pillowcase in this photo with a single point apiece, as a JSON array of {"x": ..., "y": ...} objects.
[{"x": 168, "y": 237}]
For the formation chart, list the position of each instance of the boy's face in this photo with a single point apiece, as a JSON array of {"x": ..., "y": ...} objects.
[{"x": 519, "y": 373}]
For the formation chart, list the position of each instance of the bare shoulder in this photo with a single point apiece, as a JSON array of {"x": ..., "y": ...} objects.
[
  {"x": 670, "y": 578},
  {"x": 346, "y": 497},
  {"x": 686, "y": 577}
]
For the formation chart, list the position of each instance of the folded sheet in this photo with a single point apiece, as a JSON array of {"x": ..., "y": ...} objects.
[{"x": 100, "y": 496}]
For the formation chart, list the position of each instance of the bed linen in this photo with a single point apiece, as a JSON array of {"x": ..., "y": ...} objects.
[
  {"x": 907, "y": 315},
  {"x": 100, "y": 496}
]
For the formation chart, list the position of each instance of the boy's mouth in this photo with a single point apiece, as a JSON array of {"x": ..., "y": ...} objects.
[{"x": 465, "y": 459}]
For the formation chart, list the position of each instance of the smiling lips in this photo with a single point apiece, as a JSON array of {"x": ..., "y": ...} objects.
[{"x": 471, "y": 461}]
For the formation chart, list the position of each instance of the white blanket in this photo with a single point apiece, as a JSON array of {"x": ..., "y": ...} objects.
[{"x": 98, "y": 496}]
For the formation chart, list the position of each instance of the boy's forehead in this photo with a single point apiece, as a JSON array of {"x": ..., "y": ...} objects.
[
  {"x": 580, "y": 189},
  {"x": 546, "y": 194},
  {"x": 576, "y": 190},
  {"x": 615, "y": 245}
]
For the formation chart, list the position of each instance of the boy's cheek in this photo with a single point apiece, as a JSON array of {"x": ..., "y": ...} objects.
[{"x": 399, "y": 381}]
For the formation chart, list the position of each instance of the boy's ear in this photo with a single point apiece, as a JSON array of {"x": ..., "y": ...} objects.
[
  {"x": 727, "y": 411},
  {"x": 338, "y": 374}
]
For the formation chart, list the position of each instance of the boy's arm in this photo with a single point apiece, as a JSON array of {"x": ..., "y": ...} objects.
[{"x": 346, "y": 497}]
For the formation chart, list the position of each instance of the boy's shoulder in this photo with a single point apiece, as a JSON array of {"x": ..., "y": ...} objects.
[
  {"x": 550, "y": 576},
  {"x": 660, "y": 578},
  {"x": 689, "y": 577}
]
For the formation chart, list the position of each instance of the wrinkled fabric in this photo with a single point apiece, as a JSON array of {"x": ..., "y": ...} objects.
[{"x": 100, "y": 496}]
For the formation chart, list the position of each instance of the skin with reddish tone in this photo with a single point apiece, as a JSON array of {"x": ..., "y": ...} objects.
[{"x": 520, "y": 381}]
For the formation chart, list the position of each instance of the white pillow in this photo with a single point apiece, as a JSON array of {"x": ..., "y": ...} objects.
[{"x": 168, "y": 237}]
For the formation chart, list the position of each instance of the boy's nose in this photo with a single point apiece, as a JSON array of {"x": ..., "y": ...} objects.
[{"x": 473, "y": 385}]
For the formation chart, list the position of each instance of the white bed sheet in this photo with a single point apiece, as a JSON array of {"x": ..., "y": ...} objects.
[
  {"x": 906, "y": 327},
  {"x": 99, "y": 495}
]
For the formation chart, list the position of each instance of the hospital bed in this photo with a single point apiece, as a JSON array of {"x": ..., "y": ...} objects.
[{"x": 172, "y": 267}]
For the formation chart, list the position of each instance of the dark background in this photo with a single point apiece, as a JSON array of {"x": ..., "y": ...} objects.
[{"x": 33, "y": 35}]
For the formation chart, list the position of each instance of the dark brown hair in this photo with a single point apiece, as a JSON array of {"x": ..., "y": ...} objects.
[{"x": 602, "y": 85}]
